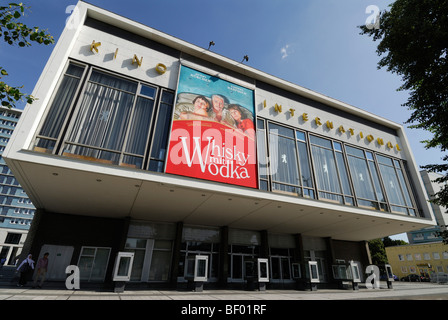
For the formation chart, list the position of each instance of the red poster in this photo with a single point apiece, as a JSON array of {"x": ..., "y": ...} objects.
[{"x": 213, "y": 132}]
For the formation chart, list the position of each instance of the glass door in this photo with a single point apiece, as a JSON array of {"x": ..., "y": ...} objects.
[{"x": 92, "y": 263}]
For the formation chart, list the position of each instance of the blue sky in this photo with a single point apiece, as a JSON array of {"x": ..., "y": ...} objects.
[{"x": 312, "y": 43}]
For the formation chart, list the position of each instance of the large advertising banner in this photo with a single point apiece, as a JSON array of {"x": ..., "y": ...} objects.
[{"x": 213, "y": 131}]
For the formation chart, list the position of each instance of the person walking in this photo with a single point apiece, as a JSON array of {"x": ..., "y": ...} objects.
[
  {"x": 42, "y": 267},
  {"x": 25, "y": 268}
]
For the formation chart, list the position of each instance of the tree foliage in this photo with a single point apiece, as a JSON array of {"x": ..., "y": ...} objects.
[
  {"x": 413, "y": 43},
  {"x": 14, "y": 32},
  {"x": 378, "y": 251}
]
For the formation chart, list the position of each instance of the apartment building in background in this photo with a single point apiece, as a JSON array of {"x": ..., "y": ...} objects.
[
  {"x": 425, "y": 259},
  {"x": 17, "y": 210}
]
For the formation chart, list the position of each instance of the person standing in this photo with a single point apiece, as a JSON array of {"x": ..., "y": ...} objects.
[
  {"x": 25, "y": 268},
  {"x": 42, "y": 267}
]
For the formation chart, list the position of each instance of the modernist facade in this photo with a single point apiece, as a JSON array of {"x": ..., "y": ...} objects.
[
  {"x": 17, "y": 210},
  {"x": 145, "y": 143}
]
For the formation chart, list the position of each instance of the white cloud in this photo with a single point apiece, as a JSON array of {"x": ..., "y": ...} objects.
[{"x": 284, "y": 51}]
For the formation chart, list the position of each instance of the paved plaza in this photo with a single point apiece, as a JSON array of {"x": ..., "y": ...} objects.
[{"x": 400, "y": 290}]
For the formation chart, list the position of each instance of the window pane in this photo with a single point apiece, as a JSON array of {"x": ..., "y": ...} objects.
[
  {"x": 123, "y": 266},
  {"x": 300, "y": 136},
  {"x": 376, "y": 181},
  {"x": 88, "y": 252},
  {"x": 148, "y": 91},
  {"x": 276, "y": 129},
  {"x": 13, "y": 238},
  {"x": 156, "y": 166},
  {"x": 391, "y": 184},
  {"x": 321, "y": 142},
  {"x": 275, "y": 268},
  {"x": 85, "y": 266},
  {"x": 262, "y": 154},
  {"x": 135, "y": 243},
  {"x": 75, "y": 70},
  {"x": 398, "y": 209},
  {"x": 167, "y": 97},
  {"x": 161, "y": 131},
  {"x": 369, "y": 204},
  {"x": 404, "y": 188},
  {"x": 384, "y": 160},
  {"x": 286, "y": 273},
  {"x": 325, "y": 169},
  {"x": 361, "y": 178},
  {"x": 337, "y": 146},
  {"x": 331, "y": 197},
  {"x": 160, "y": 266},
  {"x": 103, "y": 118},
  {"x": 305, "y": 168},
  {"x": 283, "y": 160},
  {"x": 59, "y": 107},
  {"x": 100, "y": 265},
  {"x": 343, "y": 174},
  {"x": 112, "y": 81},
  {"x": 264, "y": 185},
  {"x": 287, "y": 189},
  {"x": 355, "y": 151},
  {"x": 139, "y": 128},
  {"x": 137, "y": 265},
  {"x": 237, "y": 267},
  {"x": 132, "y": 162}
]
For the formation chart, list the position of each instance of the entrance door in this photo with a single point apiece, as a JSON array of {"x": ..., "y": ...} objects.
[
  {"x": 92, "y": 263},
  {"x": 58, "y": 259}
]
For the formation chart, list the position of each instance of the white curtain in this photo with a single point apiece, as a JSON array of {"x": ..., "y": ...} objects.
[
  {"x": 140, "y": 125},
  {"x": 325, "y": 169},
  {"x": 361, "y": 178},
  {"x": 283, "y": 156},
  {"x": 60, "y": 105},
  {"x": 392, "y": 185},
  {"x": 104, "y": 115}
]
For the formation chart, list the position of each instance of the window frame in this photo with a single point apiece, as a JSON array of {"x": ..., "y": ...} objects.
[
  {"x": 77, "y": 94},
  {"x": 62, "y": 142},
  {"x": 371, "y": 161},
  {"x": 65, "y": 142}
]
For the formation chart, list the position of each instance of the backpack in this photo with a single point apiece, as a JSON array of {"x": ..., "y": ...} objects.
[{"x": 26, "y": 267}]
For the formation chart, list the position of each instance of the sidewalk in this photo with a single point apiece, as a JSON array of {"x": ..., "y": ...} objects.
[{"x": 400, "y": 290}]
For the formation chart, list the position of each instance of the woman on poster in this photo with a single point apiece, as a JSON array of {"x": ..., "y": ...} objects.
[{"x": 242, "y": 122}]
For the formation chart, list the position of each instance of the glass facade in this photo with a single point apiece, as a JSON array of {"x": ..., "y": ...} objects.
[
  {"x": 109, "y": 119},
  {"x": 303, "y": 164}
]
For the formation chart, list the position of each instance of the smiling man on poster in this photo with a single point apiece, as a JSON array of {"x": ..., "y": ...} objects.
[{"x": 213, "y": 132}]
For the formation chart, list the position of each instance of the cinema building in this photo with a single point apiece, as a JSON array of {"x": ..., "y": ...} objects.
[{"x": 141, "y": 142}]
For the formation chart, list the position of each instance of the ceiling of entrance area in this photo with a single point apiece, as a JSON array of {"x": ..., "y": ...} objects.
[{"x": 97, "y": 194}]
